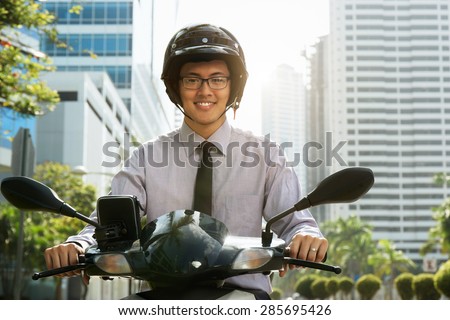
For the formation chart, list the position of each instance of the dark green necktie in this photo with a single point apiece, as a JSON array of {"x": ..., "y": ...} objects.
[{"x": 203, "y": 182}]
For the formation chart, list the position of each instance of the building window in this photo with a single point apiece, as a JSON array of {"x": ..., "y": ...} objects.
[
  {"x": 102, "y": 12},
  {"x": 68, "y": 96}
]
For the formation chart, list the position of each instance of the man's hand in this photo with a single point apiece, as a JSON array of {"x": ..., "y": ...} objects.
[
  {"x": 306, "y": 247},
  {"x": 63, "y": 255}
]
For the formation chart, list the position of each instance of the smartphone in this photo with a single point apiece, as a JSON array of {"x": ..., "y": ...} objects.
[{"x": 119, "y": 213}]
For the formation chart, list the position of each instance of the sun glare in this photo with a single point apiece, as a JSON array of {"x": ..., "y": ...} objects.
[{"x": 271, "y": 32}]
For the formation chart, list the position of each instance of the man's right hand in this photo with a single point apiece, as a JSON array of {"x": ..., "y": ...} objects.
[{"x": 63, "y": 255}]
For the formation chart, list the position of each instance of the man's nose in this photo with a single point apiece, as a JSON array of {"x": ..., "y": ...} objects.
[{"x": 204, "y": 87}]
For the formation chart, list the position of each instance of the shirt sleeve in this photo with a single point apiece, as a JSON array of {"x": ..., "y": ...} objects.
[
  {"x": 282, "y": 192},
  {"x": 129, "y": 180}
]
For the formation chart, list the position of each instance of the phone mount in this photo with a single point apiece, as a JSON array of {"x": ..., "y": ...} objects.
[{"x": 119, "y": 221}]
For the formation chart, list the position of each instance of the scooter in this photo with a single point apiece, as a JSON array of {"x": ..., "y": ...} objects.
[{"x": 183, "y": 254}]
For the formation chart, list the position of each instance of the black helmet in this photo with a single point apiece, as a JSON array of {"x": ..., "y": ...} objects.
[{"x": 204, "y": 42}]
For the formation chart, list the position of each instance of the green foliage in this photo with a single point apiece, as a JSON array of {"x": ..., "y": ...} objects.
[
  {"x": 303, "y": 286},
  {"x": 351, "y": 243},
  {"x": 346, "y": 285},
  {"x": 68, "y": 186},
  {"x": 442, "y": 279},
  {"x": 42, "y": 230},
  {"x": 333, "y": 286},
  {"x": 276, "y": 294},
  {"x": 439, "y": 235},
  {"x": 319, "y": 288},
  {"x": 367, "y": 286},
  {"x": 20, "y": 66},
  {"x": 424, "y": 289},
  {"x": 387, "y": 261},
  {"x": 403, "y": 284}
]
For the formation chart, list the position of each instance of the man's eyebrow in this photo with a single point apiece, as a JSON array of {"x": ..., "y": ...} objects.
[{"x": 215, "y": 74}]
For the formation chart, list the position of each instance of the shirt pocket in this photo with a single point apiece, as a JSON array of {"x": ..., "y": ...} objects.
[{"x": 243, "y": 215}]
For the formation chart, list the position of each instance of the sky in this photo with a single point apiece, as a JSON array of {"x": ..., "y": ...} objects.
[{"x": 271, "y": 32}]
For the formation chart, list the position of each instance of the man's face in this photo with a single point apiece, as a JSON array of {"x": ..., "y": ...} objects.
[{"x": 204, "y": 105}]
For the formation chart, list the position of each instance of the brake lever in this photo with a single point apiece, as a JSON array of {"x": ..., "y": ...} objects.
[
  {"x": 56, "y": 271},
  {"x": 314, "y": 265}
]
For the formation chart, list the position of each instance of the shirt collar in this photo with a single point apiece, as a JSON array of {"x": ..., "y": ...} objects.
[{"x": 220, "y": 138}]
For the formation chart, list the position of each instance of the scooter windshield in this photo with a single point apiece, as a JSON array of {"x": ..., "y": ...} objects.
[{"x": 182, "y": 242}]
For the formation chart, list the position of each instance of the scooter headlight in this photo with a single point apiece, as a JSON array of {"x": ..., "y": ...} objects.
[
  {"x": 252, "y": 258},
  {"x": 113, "y": 263}
]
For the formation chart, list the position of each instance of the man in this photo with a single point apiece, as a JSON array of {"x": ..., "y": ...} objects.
[{"x": 205, "y": 74}]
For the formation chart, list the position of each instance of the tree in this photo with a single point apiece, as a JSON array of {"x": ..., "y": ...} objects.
[
  {"x": 20, "y": 65},
  {"x": 345, "y": 285},
  {"x": 424, "y": 289},
  {"x": 333, "y": 286},
  {"x": 350, "y": 243},
  {"x": 367, "y": 286},
  {"x": 440, "y": 234},
  {"x": 442, "y": 279},
  {"x": 387, "y": 261},
  {"x": 277, "y": 294},
  {"x": 403, "y": 283},
  {"x": 43, "y": 230},
  {"x": 303, "y": 286},
  {"x": 319, "y": 288}
]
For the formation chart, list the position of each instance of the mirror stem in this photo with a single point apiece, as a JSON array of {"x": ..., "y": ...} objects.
[
  {"x": 267, "y": 234},
  {"x": 67, "y": 210}
]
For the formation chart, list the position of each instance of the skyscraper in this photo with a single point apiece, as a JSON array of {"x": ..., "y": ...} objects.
[
  {"x": 387, "y": 93},
  {"x": 116, "y": 37},
  {"x": 283, "y": 115}
]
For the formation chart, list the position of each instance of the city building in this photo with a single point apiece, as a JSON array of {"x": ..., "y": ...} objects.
[
  {"x": 315, "y": 121},
  {"x": 117, "y": 37},
  {"x": 88, "y": 130},
  {"x": 111, "y": 96},
  {"x": 385, "y": 87},
  {"x": 283, "y": 115}
]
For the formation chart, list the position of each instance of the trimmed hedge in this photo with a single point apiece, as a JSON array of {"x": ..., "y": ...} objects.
[
  {"x": 442, "y": 279},
  {"x": 423, "y": 285},
  {"x": 367, "y": 286},
  {"x": 403, "y": 284}
]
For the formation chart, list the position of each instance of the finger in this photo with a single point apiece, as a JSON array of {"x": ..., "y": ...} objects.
[
  {"x": 305, "y": 245},
  {"x": 318, "y": 249},
  {"x": 293, "y": 253},
  {"x": 85, "y": 278},
  {"x": 282, "y": 272},
  {"x": 323, "y": 248},
  {"x": 72, "y": 253},
  {"x": 48, "y": 258}
]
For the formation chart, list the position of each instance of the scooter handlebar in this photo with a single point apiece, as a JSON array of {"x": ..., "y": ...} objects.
[
  {"x": 314, "y": 265},
  {"x": 53, "y": 272}
]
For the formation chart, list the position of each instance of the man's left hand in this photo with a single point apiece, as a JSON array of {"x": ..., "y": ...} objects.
[{"x": 306, "y": 247}]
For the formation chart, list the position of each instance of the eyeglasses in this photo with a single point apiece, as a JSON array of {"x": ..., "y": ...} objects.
[{"x": 215, "y": 83}]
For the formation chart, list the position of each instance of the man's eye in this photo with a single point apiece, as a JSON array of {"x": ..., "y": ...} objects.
[
  {"x": 191, "y": 80},
  {"x": 218, "y": 80}
]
